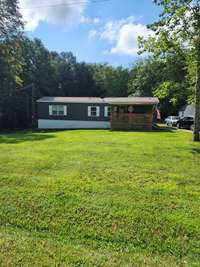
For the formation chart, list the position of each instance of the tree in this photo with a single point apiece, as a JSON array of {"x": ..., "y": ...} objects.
[
  {"x": 145, "y": 75},
  {"x": 10, "y": 78},
  {"x": 37, "y": 67},
  {"x": 10, "y": 58},
  {"x": 177, "y": 29},
  {"x": 165, "y": 79},
  {"x": 112, "y": 81},
  {"x": 10, "y": 18}
]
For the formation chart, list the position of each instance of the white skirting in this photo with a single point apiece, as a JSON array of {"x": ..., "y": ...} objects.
[{"x": 69, "y": 124}]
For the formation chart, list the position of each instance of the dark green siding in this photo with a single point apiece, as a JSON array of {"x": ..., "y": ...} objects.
[{"x": 75, "y": 111}]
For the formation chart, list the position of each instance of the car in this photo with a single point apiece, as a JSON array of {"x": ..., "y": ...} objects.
[
  {"x": 171, "y": 120},
  {"x": 186, "y": 123}
]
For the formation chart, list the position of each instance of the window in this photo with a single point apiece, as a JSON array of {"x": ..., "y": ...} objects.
[
  {"x": 175, "y": 117},
  {"x": 116, "y": 109},
  {"x": 130, "y": 109},
  {"x": 107, "y": 111},
  {"x": 58, "y": 110},
  {"x": 93, "y": 111}
]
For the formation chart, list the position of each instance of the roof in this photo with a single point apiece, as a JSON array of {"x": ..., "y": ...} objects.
[
  {"x": 132, "y": 100},
  {"x": 98, "y": 100}
]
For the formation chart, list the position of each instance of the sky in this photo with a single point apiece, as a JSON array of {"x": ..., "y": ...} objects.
[{"x": 101, "y": 31}]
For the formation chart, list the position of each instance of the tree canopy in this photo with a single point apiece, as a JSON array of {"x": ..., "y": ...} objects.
[
  {"x": 178, "y": 29},
  {"x": 10, "y": 18}
]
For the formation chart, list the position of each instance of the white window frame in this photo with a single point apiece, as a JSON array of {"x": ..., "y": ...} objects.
[
  {"x": 58, "y": 110},
  {"x": 90, "y": 111},
  {"x": 107, "y": 111}
]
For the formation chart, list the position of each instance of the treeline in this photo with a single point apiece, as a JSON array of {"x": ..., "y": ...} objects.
[{"x": 25, "y": 62}]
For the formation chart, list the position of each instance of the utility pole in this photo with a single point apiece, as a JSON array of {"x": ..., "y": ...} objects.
[
  {"x": 33, "y": 106},
  {"x": 33, "y": 100}
]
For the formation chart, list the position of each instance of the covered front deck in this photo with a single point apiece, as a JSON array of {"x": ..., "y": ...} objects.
[{"x": 132, "y": 116}]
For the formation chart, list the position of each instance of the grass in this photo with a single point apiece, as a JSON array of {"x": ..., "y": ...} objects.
[{"x": 99, "y": 198}]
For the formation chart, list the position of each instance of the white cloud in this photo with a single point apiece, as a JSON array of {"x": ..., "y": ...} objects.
[
  {"x": 88, "y": 20},
  {"x": 123, "y": 35},
  {"x": 92, "y": 34},
  {"x": 51, "y": 11},
  {"x": 85, "y": 20},
  {"x": 127, "y": 41},
  {"x": 96, "y": 20},
  {"x": 112, "y": 28}
]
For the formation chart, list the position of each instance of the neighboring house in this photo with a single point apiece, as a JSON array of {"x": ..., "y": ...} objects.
[
  {"x": 123, "y": 113},
  {"x": 187, "y": 111}
]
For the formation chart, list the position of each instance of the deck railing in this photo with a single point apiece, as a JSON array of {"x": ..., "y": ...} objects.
[{"x": 131, "y": 121}]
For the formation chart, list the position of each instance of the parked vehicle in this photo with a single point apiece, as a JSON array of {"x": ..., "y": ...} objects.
[
  {"x": 171, "y": 120},
  {"x": 186, "y": 123}
]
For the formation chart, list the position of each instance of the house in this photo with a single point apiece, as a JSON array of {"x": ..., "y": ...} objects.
[
  {"x": 187, "y": 111},
  {"x": 116, "y": 113}
]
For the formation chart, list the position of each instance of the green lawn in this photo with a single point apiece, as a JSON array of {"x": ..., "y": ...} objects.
[{"x": 99, "y": 198}]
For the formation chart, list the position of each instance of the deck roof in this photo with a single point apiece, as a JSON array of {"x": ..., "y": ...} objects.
[{"x": 98, "y": 100}]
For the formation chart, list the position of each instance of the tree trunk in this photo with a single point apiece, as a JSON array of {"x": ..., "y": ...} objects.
[{"x": 196, "y": 136}]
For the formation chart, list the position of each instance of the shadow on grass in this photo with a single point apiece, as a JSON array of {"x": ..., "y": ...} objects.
[
  {"x": 162, "y": 128},
  {"x": 195, "y": 150},
  {"x": 40, "y": 135},
  {"x": 23, "y": 137},
  {"x": 156, "y": 129}
]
